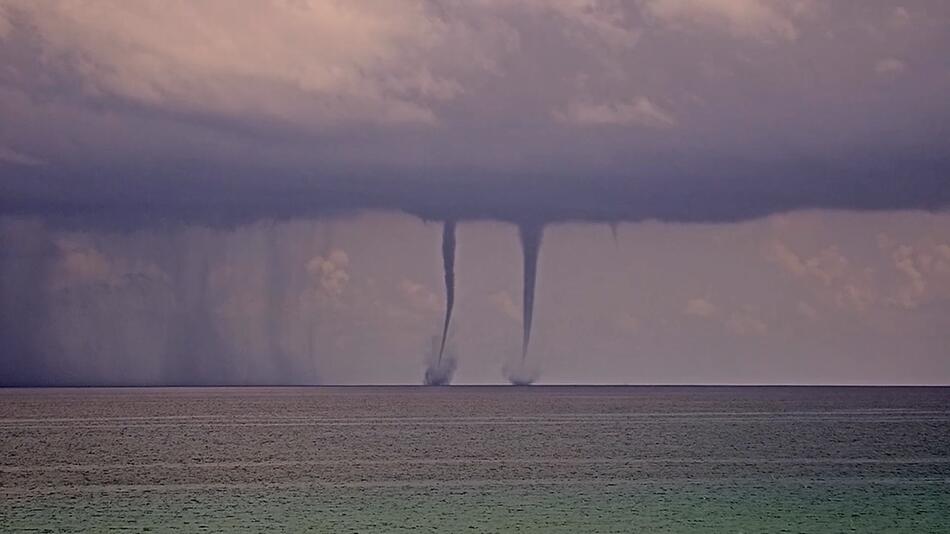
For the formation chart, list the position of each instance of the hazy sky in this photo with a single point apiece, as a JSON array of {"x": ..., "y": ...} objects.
[{"x": 235, "y": 191}]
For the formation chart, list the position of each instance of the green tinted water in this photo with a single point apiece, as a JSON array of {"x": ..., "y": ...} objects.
[{"x": 476, "y": 460}]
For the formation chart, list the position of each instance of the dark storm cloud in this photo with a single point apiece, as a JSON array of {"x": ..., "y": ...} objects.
[{"x": 122, "y": 113}]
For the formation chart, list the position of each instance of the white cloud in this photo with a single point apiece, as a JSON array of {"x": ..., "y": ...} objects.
[
  {"x": 806, "y": 310},
  {"x": 314, "y": 62},
  {"x": 828, "y": 266},
  {"x": 889, "y": 66},
  {"x": 81, "y": 264},
  {"x": 628, "y": 323},
  {"x": 638, "y": 111},
  {"x": 506, "y": 305},
  {"x": 5, "y": 25},
  {"x": 746, "y": 324},
  {"x": 603, "y": 19},
  {"x": 330, "y": 272},
  {"x": 923, "y": 271},
  {"x": 419, "y": 296},
  {"x": 742, "y": 18},
  {"x": 9, "y": 155},
  {"x": 900, "y": 15},
  {"x": 700, "y": 307},
  {"x": 846, "y": 285},
  {"x": 912, "y": 274}
]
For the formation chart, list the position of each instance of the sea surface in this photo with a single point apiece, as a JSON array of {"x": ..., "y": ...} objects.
[{"x": 475, "y": 459}]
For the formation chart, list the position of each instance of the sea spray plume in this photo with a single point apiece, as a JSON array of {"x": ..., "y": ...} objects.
[
  {"x": 530, "y": 246},
  {"x": 448, "y": 263},
  {"x": 439, "y": 370},
  {"x": 521, "y": 373}
]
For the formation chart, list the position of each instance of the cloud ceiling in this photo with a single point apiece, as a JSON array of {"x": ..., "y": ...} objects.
[{"x": 693, "y": 110}]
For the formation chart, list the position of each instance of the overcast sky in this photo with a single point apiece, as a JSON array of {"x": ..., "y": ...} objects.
[{"x": 236, "y": 191}]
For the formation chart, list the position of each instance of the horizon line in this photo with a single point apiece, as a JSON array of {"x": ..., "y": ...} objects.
[{"x": 490, "y": 385}]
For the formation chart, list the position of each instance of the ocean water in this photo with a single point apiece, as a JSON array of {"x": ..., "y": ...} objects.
[{"x": 475, "y": 459}]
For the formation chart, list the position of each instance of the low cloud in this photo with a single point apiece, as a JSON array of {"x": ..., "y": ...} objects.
[
  {"x": 923, "y": 271},
  {"x": 847, "y": 285},
  {"x": 82, "y": 264},
  {"x": 538, "y": 110},
  {"x": 605, "y": 20},
  {"x": 8, "y": 155},
  {"x": 5, "y": 25},
  {"x": 420, "y": 297},
  {"x": 806, "y": 310},
  {"x": 700, "y": 307},
  {"x": 827, "y": 267},
  {"x": 757, "y": 19},
  {"x": 628, "y": 323},
  {"x": 639, "y": 111},
  {"x": 506, "y": 305},
  {"x": 889, "y": 66},
  {"x": 912, "y": 274},
  {"x": 317, "y": 63},
  {"x": 746, "y": 323},
  {"x": 330, "y": 272}
]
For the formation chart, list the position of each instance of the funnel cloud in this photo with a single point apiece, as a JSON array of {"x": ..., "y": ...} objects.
[
  {"x": 530, "y": 235},
  {"x": 448, "y": 263}
]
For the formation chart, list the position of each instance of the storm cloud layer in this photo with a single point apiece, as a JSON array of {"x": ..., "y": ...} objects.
[
  {"x": 172, "y": 175},
  {"x": 678, "y": 110}
]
